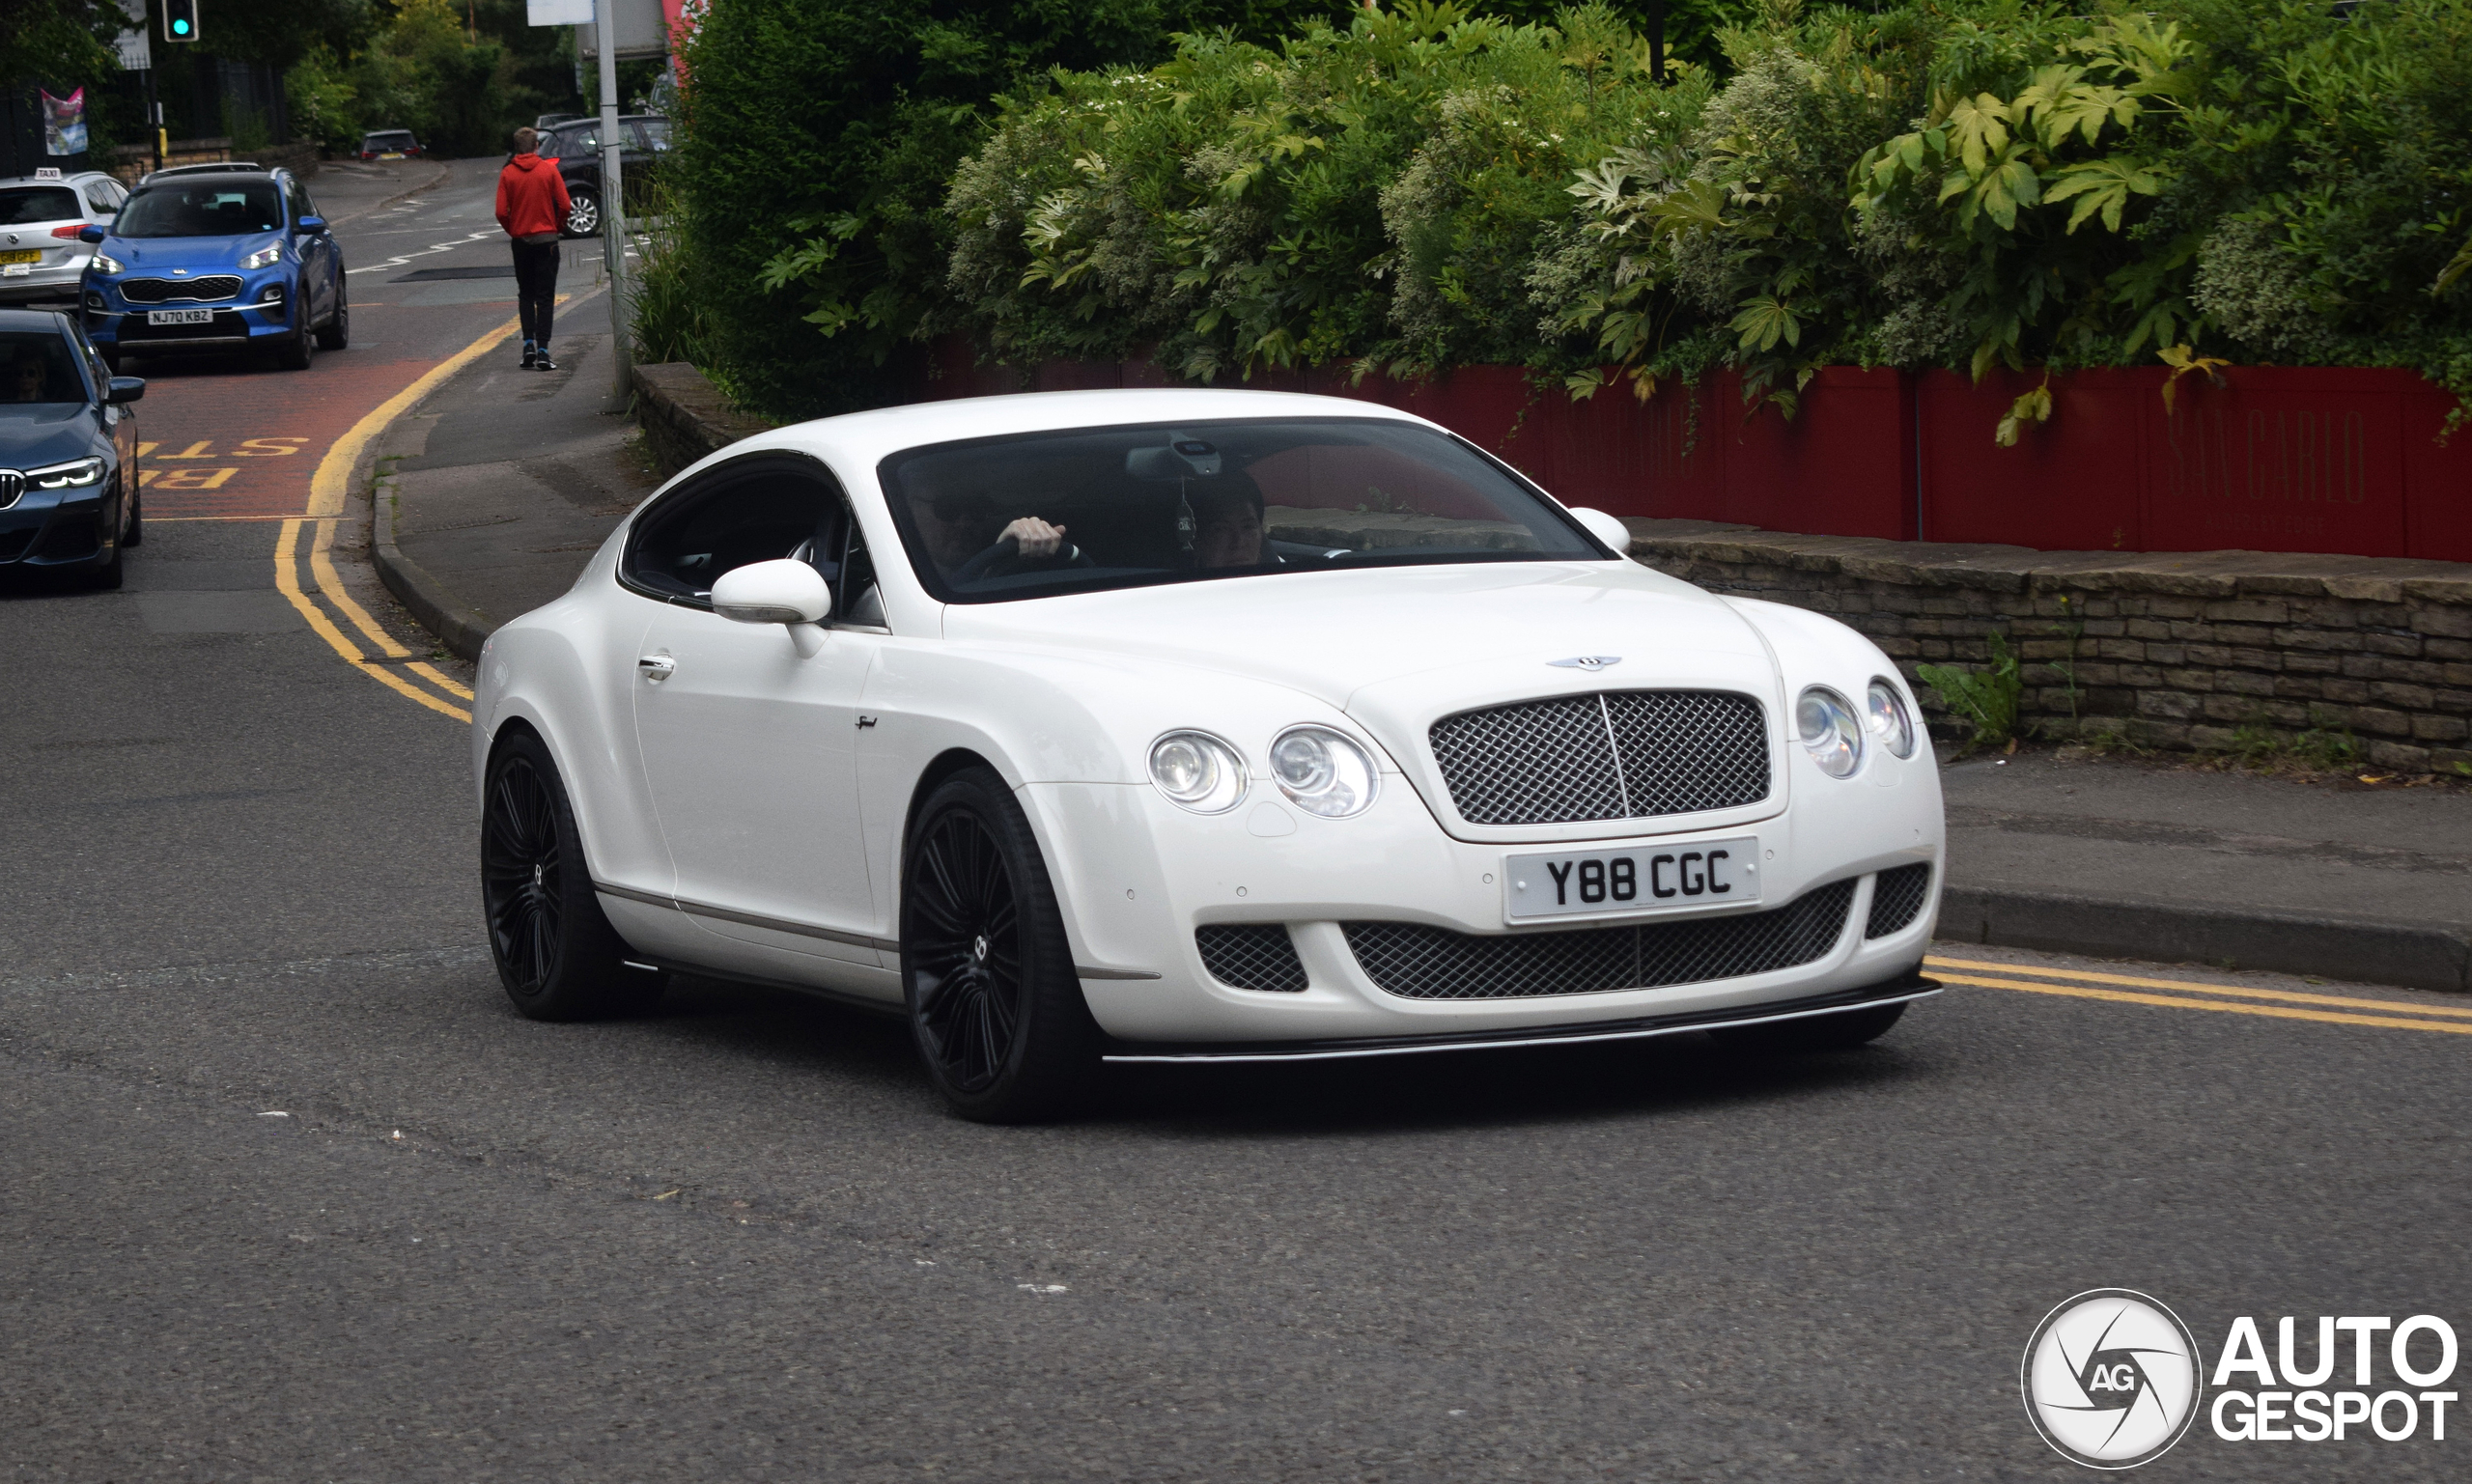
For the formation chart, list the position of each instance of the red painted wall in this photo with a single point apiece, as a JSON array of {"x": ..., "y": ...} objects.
[{"x": 2275, "y": 458}]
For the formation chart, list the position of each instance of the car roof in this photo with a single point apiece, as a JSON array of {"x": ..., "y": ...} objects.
[
  {"x": 372, "y": 133},
  {"x": 869, "y": 437},
  {"x": 189, "y": 171},
  {"x": 22, "y": 320},
  {"x": 62, "y": 179}
]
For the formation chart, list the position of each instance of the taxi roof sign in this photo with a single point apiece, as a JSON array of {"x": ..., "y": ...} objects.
[{"x": 48, "y": 173}]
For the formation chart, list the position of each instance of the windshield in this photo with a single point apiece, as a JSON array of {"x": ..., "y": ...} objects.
[
  {"x": 1033, "y": 515},
  {"x": 35, "y": 366},
  {"x": 23, "y": 206},
  {"x": 200, "y": 207}
]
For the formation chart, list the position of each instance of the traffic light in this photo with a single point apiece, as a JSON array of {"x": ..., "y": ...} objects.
[{"x": 179, "y": 20}]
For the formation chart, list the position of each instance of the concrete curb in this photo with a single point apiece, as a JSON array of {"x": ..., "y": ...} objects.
[
  {"x": 461, "y": 627},
  {"x": 2369, "y": 950}
]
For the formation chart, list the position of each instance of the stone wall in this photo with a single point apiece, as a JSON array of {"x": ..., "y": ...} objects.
[
  {"x": 2170, "y": 650},
  {"x": 685, "y": 416}
]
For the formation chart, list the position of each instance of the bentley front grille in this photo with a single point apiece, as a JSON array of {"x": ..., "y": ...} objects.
[
  {"x": 1896, "y": 897},
  {"x": 168, "y": 291},
  {"x": 1415, "y": 962},
  {"x": 1254, "y": 956},
  {"x": 1617, "y": 754}
]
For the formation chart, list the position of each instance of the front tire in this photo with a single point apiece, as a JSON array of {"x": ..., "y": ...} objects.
[
  {"x": 555, "y": 951},
  {"x": 337, "y": 334},
  {"x": 1839, "y": 1032},
  {"x": 299, "y": 351},
  {"x": 135, "y": 531},
  {"x": 995, "y": 1006}
]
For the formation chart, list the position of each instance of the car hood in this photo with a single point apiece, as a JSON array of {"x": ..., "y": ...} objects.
[
  {"x": 1337, "y": 636},
  {"x": 37, "y": 433},
  {"x": 160, "y": 253}
]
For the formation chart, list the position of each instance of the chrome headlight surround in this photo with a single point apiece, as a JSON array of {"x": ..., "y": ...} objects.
[
  {"x": 75, "y": 474},
  {"x": 1886, "y": 717},
  {"x": 1829, "y": 730},
  {"x": 263, "y": 258},
  {"x": 1199, "y": 771},
  {"x": 1324, "y": 771}
]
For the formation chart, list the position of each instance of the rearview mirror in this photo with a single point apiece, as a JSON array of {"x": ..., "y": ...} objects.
[
  {"x": 1605, "y": 528},
  {"x": 776, "y": 592},
  {"x": 90, "y": 233},
  {"x": 313, "y": 224},
  {"x": 124, "y": 389}
]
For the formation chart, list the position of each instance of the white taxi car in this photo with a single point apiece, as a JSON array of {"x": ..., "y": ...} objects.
[
  {"x": 1191, "y": 725},
  {"x": 41, "y": 214}
]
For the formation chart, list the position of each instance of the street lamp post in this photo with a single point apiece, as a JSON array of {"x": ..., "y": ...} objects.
[{"x": 613, "y": 211}]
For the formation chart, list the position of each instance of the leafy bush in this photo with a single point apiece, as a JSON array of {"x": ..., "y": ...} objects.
[
  {"x": 1935, "y": 183},
  {"x": 1984, "y": 699}
]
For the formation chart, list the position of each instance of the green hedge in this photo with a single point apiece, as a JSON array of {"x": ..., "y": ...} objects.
[{"x": 1924, "y": 183}]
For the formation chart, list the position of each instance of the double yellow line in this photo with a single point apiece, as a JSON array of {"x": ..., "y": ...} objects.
[
  {"x": 2202, "y": 994},
  {"x": 327, "y": 491}
]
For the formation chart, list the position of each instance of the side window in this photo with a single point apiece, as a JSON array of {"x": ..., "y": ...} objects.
[
  {"x": 98, "y": 199},
  {"x": 764, "y": 511},
  {"x": 301, "y": 205}
]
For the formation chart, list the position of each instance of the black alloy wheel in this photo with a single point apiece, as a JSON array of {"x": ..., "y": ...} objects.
[
  {"x": 133, "y": 529},
  {"x": 300, "y": 348},
  {"x": 555, "y": 951},
  {"x": 1843, "y": 1031},
  {"x": 337, "y": 335},
  {"x": 995, "y": 1005}
]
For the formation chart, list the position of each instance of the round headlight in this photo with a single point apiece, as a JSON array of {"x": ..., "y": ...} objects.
[
  {"x": 1829, "y": 730},
  {"x": 1197, "y": 771},
  {"x": 1323, "y": 773},
  {"x": 1889, "y": 721}
]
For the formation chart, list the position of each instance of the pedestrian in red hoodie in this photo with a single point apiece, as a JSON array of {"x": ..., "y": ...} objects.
[{"x": 532, "y": 204}]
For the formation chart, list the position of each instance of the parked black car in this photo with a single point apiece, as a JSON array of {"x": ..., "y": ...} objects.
[
  {"x": 68, "y": 486},
  {"x": 576, "y": 148},
  {"x": 389, "y": 144}
]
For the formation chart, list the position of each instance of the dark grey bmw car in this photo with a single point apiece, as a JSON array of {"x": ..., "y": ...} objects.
[{"x": 68, "y": 485}]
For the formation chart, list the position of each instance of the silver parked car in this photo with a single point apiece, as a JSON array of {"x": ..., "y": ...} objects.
[{"x": 40, "y": 257}]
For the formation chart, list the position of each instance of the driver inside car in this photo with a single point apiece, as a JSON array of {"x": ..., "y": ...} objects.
[{"x": 968, "y": 540}]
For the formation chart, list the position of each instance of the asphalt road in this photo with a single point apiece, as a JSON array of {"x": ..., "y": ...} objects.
[{"x": 288, "y": 1192}]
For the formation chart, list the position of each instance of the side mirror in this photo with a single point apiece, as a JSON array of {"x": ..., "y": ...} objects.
[
  {"x": 1605, "y": 528},
  {"x": 90, "y": 233},
  {"x": 313, "y": 224},
  {"x": 124, "y": 389},
  {"x": 776, "y": 592}
]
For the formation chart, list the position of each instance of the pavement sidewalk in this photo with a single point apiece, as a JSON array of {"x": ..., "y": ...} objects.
[{"x": 506, "y": 480}]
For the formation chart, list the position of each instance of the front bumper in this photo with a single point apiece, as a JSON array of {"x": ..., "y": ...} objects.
[
  {"x": 238, "y": 321},
  {"x": 1138, "y": 878},
  {"x": 55, "y": 530}
]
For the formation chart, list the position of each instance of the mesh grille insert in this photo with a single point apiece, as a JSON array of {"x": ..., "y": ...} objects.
[
  {"x": 1895, "y": 898},
  {"x": 162, "y": 291},
  {"x": 1622, "y": 754},
  {"x": 1415, "y": 962},
  {"x": 1256, "y": 956}
]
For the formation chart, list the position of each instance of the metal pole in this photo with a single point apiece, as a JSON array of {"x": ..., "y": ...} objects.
[
  {"x": 153, "y": 114},
  {"x": 613, "y": 195}
]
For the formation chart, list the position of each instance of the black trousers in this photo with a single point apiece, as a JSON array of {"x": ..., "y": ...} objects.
[{"x": 536, "y": 287}]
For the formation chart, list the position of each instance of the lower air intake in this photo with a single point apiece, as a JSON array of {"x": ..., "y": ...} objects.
[
  {"x": 1895, "y": 898},
  {"x": 1252, "y": 956},
  {"x": 1415, "y": 962}
]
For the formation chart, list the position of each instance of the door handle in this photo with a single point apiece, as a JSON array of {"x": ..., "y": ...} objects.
[{"x": 655, "y": 668}]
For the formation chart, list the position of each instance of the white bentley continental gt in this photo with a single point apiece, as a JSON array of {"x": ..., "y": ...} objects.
[{"x": 1191, "y": 726}]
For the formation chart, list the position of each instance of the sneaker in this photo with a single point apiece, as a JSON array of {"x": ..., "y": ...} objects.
[
  {"x": 542, "y": 362},
  {"x": 531, "y": 355}
]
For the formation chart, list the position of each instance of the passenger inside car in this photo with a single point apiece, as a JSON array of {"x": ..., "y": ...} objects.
[{"x": 1227, "y": 524}]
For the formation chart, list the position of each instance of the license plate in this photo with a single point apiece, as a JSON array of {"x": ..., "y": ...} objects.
[
  {"x": 180, "y": 316},
  {"x": 16, "y": 270},
  {"x": 1565, "y": 883},
  {"x": 390, "y": 155},
  {"x": 33, "y": 256}
]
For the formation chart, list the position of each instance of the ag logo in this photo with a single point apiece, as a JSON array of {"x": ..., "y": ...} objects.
[{"x": 2111, "y": 1379}]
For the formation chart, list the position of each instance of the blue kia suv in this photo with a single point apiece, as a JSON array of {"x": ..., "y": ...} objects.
[{"x": 216, "y": 260}]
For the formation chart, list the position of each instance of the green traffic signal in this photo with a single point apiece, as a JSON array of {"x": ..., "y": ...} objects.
[{"x": 179, "y": 20}]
